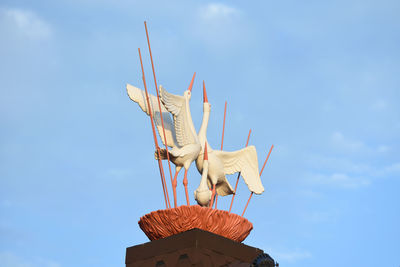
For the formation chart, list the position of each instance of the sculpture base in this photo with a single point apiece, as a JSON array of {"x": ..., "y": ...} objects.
[
  {"x": 195, "y": 248},
  {"x": 164, "y": 223}
]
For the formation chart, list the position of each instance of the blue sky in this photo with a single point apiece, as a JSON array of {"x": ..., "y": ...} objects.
[{"x": 318, "y": 79}]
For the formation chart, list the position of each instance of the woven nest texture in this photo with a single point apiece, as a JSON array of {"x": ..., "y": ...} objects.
[{"x": 163, "y": 223}]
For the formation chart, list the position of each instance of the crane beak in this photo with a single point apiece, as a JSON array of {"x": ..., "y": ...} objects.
[
  {"x": 205, "y": 99},
  {"x": 191, "y": 83}
]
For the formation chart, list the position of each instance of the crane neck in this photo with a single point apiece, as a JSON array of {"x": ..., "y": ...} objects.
[
  {"x": 204, "y": 175},
  {"x": 204, "y": 125},
  {"x": 189, "y": 116}
]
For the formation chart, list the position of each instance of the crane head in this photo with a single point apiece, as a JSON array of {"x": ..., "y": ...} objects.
[
  {"x": 203, "y": 196},
  {"x": 206, "y": 105},
  {"x": 205, "y": 99},
  {"x": 188, "y": 92}
]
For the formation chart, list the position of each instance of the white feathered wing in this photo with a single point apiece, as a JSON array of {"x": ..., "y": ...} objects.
[
  {"x": 177, "y": 106},
  {"x": 139, "y": 96},
  {"x": 244, "y": 161}
]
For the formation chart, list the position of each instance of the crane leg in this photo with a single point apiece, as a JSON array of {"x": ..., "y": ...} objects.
[
  {"x": 212, "y": 196},
  {"x": 185, "y": 183},
  {"x": 174, "y": 184}
]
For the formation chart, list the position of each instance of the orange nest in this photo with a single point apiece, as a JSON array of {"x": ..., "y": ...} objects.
[{"x": 163, "y": 223}]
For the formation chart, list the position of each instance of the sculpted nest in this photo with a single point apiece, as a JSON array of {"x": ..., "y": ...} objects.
[{"x": 163, "y": 223}]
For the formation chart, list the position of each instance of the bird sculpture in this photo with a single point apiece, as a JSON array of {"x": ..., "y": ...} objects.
[
  {"x": 203, "y": 194},
  {"x": 180, "y": 133},
  {"x": 139, "y": 96},
  {"x": 221, "y": 162}
]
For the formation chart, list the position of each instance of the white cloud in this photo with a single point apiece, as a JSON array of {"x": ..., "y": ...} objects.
[
  {"x": 5, "y": 203},
  {"x": 338, "y": 179},
  {"x": 49, "y": 263},
  {"x": 379, "y": 105},
  {"x": 220, "y": 26},
  {"x": 345, "y": 172},
  {"x": 310, "y": 194},
  {"x": 337, "y": 164},
  {"x": 25, "y": 23},
  {"x": 9, "y": 259},
  {"x": 218, "y": 11},
  {"x": 347, "y": 181},
  {"x": 293, "y": 256},
  {"x": 391, "y": 169},
  {"x": 289, "y": 256},
  {"x": 383, "y": 149},
  {"x": 320, "y": 217},
  {"x": 119, "y": 173},
  {"x": 343, "y": 143}
]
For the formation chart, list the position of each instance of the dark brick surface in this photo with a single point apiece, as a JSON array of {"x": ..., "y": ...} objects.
[{"x": 192, "y": 248}]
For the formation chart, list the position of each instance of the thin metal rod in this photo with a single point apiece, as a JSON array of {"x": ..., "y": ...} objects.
[
  {"x": 237, "y": 180},
  {"x": 165, "y": 191},
  {"x": 222, "y": 146},
  {"x": 247, "y": 203},
  {"x": 265, "y": 162},
  {"x": 159, "y": 106}
]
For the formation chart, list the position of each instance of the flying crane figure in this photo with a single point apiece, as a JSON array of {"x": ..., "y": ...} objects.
[
  {"x": 221, "y": 162},
  {"x": 180, "y": 134}
]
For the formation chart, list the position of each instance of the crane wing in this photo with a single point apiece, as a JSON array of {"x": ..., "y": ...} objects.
[
  {"x": 139, "y": 96},
  {"x": 177, "y": 106},
  {"x": 246, "y": 162}
]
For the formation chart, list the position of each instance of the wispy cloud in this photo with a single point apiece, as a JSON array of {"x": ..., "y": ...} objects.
[
  {"x": 24, "y": 22},
  {"x": 218, "y": 11},
  {"x": 119, "y": 173},
  {"x": 383, "y": 149},
  {"x": 219, "y": 25},
  {"x": 334, "y": 164},
  {"x": 311, "y": 194},
  {"x": 9, "y": 259},
  {"x": 343, "y": 143},
  {"x": 320, "y": 216},
  {"x": 338, "y": 179},
  {"x": 5, "y": 203},
  {"x": 379, "y": 105},
  {"x": 392, "y": 169},
  {"x": 289, "y": 256},
  {"x": 348, "y": 172}
]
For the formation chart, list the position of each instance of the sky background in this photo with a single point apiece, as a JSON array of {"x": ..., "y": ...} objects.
[{"x": 318, "y": 79}]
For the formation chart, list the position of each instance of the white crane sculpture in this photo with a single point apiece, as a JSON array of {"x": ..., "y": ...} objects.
[
  {"x": 170, "y": 116},
  {"x": 180, "y": 134},
  {"x": 203, "y": 194},
  {"x": 221, "y": 163},
  {"x": 187, "y": 147},
  {"x": 138, "y": 95}
]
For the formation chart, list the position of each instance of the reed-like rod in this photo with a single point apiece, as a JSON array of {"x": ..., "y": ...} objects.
[
  {"x": 247, "y": 203},
  {"x": 265, "y": 162},
  {"x": 222, "y": 145},
  {"x": 165, "y": 191},
  {"x": 159, "y": 106},
  {"x": 237, "y": 180}
]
